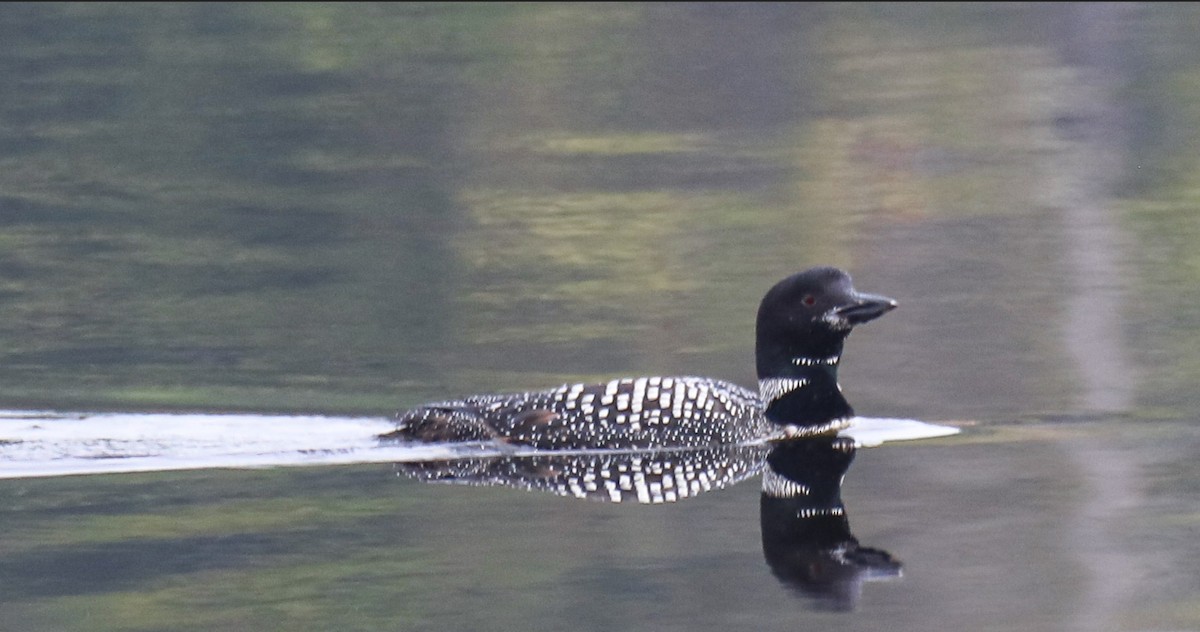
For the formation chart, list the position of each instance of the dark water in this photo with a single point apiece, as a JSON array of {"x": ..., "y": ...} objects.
[{"x": 355, "y": 209}]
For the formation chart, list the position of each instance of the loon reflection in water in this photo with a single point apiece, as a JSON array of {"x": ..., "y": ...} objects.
[
  {"x": 806, "y": 536},
  {"x": 805, "y": 531}
]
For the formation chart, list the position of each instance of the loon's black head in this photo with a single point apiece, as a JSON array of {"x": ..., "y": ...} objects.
[{"x": 802, "y": 323}]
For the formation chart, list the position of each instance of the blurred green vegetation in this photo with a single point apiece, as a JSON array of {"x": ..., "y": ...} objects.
[
  {"x": 1163, "y": 214},
  {"x": 313, "y": 207}
]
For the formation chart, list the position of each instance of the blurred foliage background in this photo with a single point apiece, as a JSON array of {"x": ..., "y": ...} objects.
[{"x": 354, "y": 208}]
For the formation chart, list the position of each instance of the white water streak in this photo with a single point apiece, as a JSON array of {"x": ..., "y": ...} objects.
[
  {"x": 869, "y": 432},
  {"x": 54, "y": 444},
  {"x": 34, "y": 443}
]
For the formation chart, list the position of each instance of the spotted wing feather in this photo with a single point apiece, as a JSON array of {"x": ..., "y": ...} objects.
[{"x": 628, "y": 413}]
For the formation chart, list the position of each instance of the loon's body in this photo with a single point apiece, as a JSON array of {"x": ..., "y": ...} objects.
[
  {"x": 644, "y": 412},
  {"x": 802, "y": 324}
]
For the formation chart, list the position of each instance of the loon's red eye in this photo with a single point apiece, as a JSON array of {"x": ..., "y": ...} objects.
[{"x": 809, "y": 300}]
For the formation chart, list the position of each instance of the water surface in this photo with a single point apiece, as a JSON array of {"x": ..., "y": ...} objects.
[{"x": 334, "y": 210}]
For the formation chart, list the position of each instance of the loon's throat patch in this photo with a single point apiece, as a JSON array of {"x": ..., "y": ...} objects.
[{"x": 773, "y": 388}]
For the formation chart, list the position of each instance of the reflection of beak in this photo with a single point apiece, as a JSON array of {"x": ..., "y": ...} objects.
[{"x": 866, "y": 307}]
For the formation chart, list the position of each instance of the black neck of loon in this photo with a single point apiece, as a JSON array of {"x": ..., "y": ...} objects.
[
  {"x": 802, "y": 325},
  {"x": 802, "y": 389}
]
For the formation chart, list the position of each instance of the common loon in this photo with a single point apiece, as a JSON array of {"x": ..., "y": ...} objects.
[{"x": 802, "y": 323}]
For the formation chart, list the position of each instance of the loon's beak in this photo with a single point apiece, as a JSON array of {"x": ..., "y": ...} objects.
[{"x": 866, "y": 307}]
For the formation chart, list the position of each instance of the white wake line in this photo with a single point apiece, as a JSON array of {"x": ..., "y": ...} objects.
[{"x": 37, "y": 443}]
